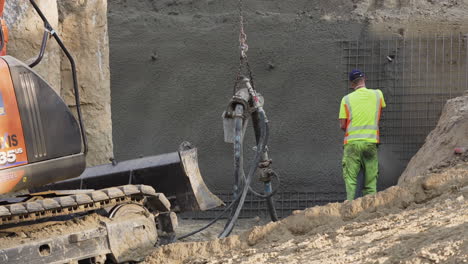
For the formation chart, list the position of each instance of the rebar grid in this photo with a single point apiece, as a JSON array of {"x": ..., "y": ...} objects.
[
  {"x": 285, "y": 202},
  {"x": 417, "y": 76}
]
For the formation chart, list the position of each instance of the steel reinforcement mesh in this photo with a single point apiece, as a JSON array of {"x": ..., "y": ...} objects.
[
  {"x": 285, "y": 203},
  {"x": 417, "y": 75}
]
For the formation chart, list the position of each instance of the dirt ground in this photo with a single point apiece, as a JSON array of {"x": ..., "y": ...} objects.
[
  {"x": 424, "y": 219},
  {"x": 395, "y": 226},
  {"x": 440, "y": 143},
  {"x": 434, "y": 232}
]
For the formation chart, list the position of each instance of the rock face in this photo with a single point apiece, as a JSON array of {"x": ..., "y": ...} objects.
[
  {"x": 82, "y": 25},
  {"x": 26, "y": 31}
]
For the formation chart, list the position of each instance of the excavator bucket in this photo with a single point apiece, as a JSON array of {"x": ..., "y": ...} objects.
[
  {"x": 193, "y": 192},
  {"x": 175, "y": 174}
]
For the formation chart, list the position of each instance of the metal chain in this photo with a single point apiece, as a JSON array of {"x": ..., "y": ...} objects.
[{"x": 243, "y": 50}]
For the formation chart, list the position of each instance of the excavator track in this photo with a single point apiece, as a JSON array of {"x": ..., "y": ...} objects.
[
  {"x": 127, "y": 232},
  {"x": 82, "y": 202}
]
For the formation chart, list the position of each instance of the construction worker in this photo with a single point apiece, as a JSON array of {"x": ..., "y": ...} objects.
[{"x": 359, "y": 118}]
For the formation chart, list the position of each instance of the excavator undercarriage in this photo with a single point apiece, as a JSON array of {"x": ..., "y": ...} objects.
[
  {"x": 109, "y": 223},
  {"x": 112, "y": 224}
]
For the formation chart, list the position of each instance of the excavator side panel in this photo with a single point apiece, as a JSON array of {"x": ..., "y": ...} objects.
[
  {"x": 39, "y": 137},
  {"x": 13, "y": 148},
  {"x": 12, "y": 144}
]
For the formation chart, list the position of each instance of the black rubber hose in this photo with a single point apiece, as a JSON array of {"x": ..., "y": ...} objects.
[
  {"x": 253, "y": 168},
  {"x": 73, "y": 69},
  {"x": 272, "y": 209},
  {"x": 239, "y": 177},
  {"x": 268, "y": 194},
  {"x": 269, "y": 199},
  {"x": 42, "y": 51},
  {"x": 239, "y": 174},
  {"x": 255, "y": 193},
  {"x": 238, "y": 149},
  {"x": 212, "y": 221},
  {"x": 238, "y": 160},
  {"x": 238, "y": 171}
]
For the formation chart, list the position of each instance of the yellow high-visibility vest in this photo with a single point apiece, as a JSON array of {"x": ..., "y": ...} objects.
[{"x": 362, "y": 109}]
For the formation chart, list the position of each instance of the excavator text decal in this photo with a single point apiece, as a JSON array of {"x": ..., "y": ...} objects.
[
  {"x": 8, "y": 141},
  {"x": 9, "y": 156}
]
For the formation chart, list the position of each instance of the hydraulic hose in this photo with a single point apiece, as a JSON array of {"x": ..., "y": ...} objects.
[
  {"x": 239, "y": 175},
  {"x": 271, "y": 202},
  {"x": 269, "y": 193},
  {"x": 212, "y": 221},
  {"x": 253, "y": 168},
  {"x": 73, "y": 70},
  {"x": 42, "y": 51},
  {"x": 238, "y": 149},
  {"x": 242, "y": 184}
]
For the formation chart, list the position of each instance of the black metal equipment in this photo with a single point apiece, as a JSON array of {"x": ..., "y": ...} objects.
[
  {"x": 246, "y": 102},
  {"x": 53, "y": 33},
  {"x": 175, "y": 174}
]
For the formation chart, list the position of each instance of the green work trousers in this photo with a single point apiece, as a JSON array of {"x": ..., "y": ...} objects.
[{"x": 357, "y": 155}]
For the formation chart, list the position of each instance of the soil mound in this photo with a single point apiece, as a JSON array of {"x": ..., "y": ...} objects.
[
  {"x": 422, "y": 223},
  {"x": 438, "y": 150}
]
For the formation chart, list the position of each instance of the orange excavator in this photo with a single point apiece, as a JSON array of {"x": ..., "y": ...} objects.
[{"x": 113, "y": 213}]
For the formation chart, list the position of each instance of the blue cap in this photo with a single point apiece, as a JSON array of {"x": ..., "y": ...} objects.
[{"x": 354, "y": 74}]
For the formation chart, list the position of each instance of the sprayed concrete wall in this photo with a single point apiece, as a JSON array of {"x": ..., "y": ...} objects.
[
  {"x": 82, "y": 26},
  {"x": 173, "y": 64},
  {"x": 172, "y": 70}
]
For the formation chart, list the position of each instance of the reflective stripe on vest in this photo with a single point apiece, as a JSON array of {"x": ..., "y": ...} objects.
[{"x": 375, "y": 127}]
